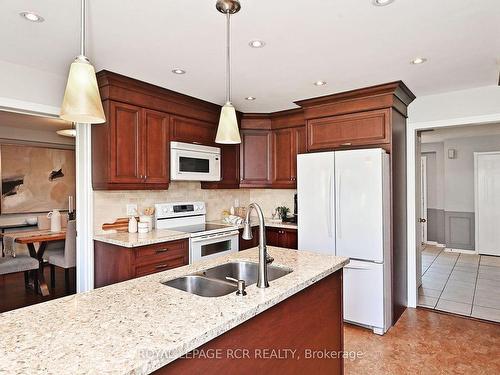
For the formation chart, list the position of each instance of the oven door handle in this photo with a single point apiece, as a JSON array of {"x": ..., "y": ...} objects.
[{"x": 215, "y": 236}]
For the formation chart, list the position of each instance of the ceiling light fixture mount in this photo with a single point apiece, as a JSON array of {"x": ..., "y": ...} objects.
[
  {"x": 32, "y": 17},
  {"x": 257, "y": 43},
  {"x": 418, "y": 60},
  {"x": 382, "y": 3},
  {"x": 228, "y": 131},
  {"x": 320, "y": 83},
  {"x": 178, "y": 71},
  {"x": 82, "y": 101}
]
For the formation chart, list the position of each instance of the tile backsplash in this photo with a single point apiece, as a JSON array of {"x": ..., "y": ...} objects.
[{"x": 110, "y": 205}]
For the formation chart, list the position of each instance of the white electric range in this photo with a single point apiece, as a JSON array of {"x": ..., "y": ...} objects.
[{"x": 207, "y": 240}]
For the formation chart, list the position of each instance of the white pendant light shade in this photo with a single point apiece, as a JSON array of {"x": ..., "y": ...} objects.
[
  {"x": 228, "y": 132},
  {"x": 82, "y": 101}
]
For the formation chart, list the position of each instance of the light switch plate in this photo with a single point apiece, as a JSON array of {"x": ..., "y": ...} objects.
[{"x": 131, "y": 209}]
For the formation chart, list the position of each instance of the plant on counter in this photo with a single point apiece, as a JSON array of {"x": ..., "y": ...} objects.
[{"x": 282, "y": 212}]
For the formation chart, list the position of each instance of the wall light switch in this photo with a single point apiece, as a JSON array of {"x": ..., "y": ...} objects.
[{"x": 131, "y": 209}]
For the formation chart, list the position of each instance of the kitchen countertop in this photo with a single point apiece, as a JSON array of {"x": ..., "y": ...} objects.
[
  {"x": 140, "y": 325},
  {"x": 255, "y": 223},
  {"x": 141, "y": 239}
]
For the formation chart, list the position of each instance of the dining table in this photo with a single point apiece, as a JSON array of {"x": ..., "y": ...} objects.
[{"x": 30, "y": 239}]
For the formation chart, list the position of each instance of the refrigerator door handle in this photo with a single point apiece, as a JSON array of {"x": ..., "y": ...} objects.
[
  {"x": 337, "y": 205},
  {"x": 330, "y": 204}
]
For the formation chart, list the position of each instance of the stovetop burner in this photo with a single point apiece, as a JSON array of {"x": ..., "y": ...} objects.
[{"x": 197, "y": 228}]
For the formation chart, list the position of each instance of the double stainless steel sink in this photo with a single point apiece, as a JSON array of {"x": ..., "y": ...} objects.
[{"x": 213, "y": 283}]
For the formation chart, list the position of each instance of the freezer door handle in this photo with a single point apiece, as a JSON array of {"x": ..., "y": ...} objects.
[{"x": 330, "y": 206}]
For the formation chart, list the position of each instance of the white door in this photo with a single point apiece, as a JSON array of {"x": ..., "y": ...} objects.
[
  {"x": 315, "y": 194},
  {"x": 487, "y": 202},
  {"x": 423, "y": 198},
  {"x": 359, "y": 211},
  {"x": 364, "y": 293}
]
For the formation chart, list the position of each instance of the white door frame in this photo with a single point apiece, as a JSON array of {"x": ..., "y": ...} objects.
[
  {"x": 412, "y": 222},
  {"x": 476, "y": 200},
  {"x": 423, "y": 198},
  {"x": 84, "y": 194}
]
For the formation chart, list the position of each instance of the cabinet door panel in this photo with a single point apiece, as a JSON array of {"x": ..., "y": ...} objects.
[
  {"x": 284, "y": 154},
  {"x": 355, "y": 129},
  {"x": 273, "y": 237},
  {"x": 256, "y": 154},
  {"x": 230, "y": 169},
  {"x": 127, "y": 164},
  {"x": 192, "y": 131},
  {"x": 156, "y": 147},
  {"x": 291, "y": 239}
]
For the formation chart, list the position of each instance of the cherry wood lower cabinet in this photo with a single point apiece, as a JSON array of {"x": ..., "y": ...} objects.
[
  {"x": 308, "y": 324},
  {"x": 282, "y": 237},
  {"x": 248, "y": 244},
  {"x": 113, "y": 264}
]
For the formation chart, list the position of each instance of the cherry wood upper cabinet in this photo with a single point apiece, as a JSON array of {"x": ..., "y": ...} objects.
[
  {"x": 230, "y": 169},
  {"x": 127, "y": 156},
  {"x": 156, "y": 147},
  {"x": 284, "y": 157},
  {"x": 131, "y": 150},
  {"x": 256, "y": 158},
  {"x": 287, "y": 144},
  {"x": 188, "y": 130},
  {"x": 354, "y": 129}
]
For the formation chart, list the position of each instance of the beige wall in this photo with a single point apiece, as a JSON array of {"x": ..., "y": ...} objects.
[{"x": 110, "y": 205}]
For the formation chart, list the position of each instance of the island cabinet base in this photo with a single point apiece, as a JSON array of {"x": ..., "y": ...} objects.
[{"x": 301, "y": 335}]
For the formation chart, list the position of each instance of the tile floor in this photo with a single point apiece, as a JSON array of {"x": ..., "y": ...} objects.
[{"x": 460, "y": 283}]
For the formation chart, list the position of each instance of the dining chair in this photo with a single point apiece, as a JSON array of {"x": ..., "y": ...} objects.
[
  {"x": 65, "y": 257},
  {"x": 21, "y": 263}
]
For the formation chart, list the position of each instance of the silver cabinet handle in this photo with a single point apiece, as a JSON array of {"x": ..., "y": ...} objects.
[
  {"x": 160, "y": 266},
  {"x": 346, "y": 144},
  {"x": 159, "y": 251}
]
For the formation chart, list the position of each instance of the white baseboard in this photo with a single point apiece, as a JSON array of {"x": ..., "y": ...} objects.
[{"x": 462, "y": 251}]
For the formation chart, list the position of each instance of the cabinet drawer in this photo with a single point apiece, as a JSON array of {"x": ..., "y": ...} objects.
[
  {"x": 160, "y": 252},
  {"x": 163, "y": 265},
  {"x": 356, "y": 129}
]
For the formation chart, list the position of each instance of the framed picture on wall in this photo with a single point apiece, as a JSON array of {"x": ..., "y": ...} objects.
[{"x": 35, "y": 179}]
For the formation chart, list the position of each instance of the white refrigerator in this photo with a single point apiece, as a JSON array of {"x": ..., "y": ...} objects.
[{"x": 344, "y": 209}]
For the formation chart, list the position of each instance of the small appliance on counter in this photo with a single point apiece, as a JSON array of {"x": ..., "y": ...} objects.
[{"x": 207, "y": 240}]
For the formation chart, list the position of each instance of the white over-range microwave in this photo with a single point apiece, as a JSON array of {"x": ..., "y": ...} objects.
[{"x": 191, "y": 162}]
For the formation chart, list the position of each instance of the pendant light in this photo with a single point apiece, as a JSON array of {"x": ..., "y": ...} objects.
[
  {"x": 82, "y": 102},
  {"x": 227, "y": 131}
]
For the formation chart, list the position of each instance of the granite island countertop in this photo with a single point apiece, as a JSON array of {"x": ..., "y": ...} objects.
[
  {"x": 140, "y": 325},
  {"x": 131, "y": 240}
]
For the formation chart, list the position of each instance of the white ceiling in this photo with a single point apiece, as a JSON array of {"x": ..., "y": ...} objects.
[
  {"x": 348, "y": 43},
  {"x": 442, "y": 134}
]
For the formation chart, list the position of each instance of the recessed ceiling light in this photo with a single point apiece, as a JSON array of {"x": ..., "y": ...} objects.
[
  {"x": 320, "y": 83},
  {"x": 382, "y": 3},
  {"x": 179, "y": 71},
  {"x": 250, "y": 98},
  {"x": 30, "y": 16},
  {"x": 418, "y": 60},
  {"x": 257, "y": 43}
]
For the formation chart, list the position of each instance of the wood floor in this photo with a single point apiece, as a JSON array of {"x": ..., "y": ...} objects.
[
  {"x": 13, "y": 294},
  {"x": 426, "y": 342}
]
